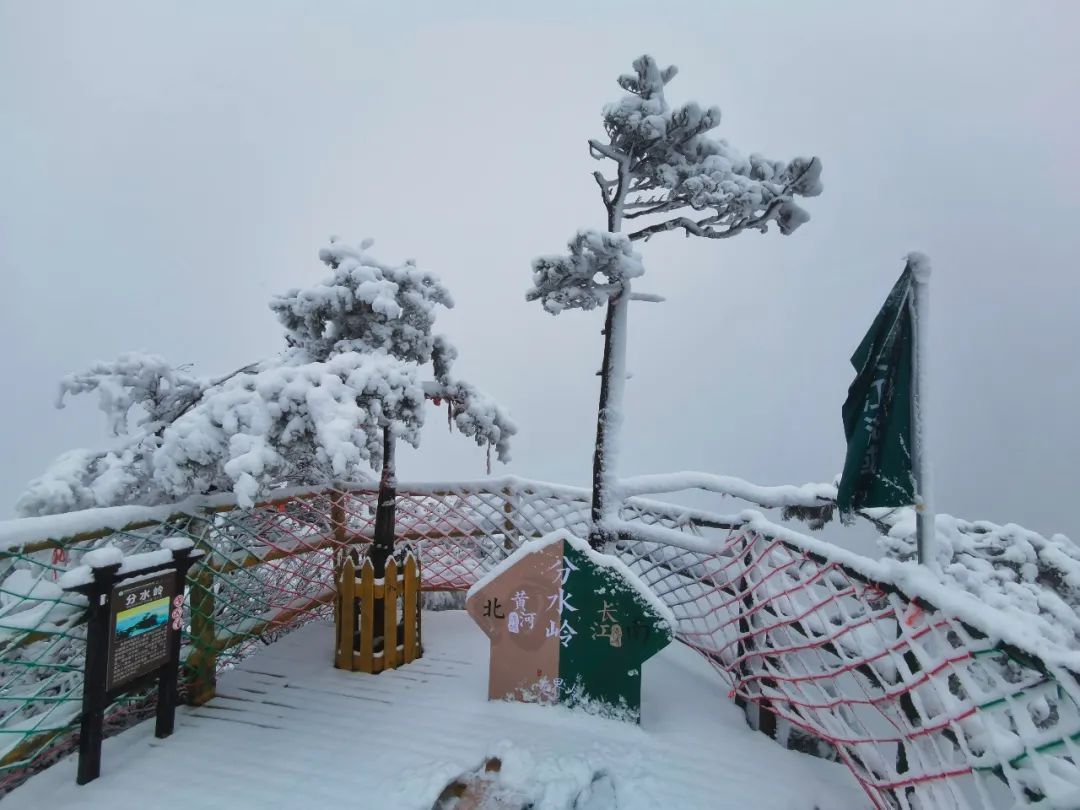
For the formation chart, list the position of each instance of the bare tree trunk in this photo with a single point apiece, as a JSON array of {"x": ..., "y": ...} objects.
[
  {"x": 608, "y": 416},
  {"x": 612, "y": 382},
  {"x": 383, "y": 544}
]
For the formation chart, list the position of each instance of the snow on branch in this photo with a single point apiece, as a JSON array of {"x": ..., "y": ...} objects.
[
  {"x": 82, "y": 479},
  {"x": 134, "y": 390},
  {"x": 282, "y": 422},
  {"x": 316, "y": 412},
  {"x": 668, "y": 163},
  {"x": 596, "y": 267},
  {"x": 476, "y": 415},
  {"x": 363, "y": 306}
]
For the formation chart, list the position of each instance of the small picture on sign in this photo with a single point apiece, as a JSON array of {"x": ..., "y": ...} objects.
[
  {"x": 142, "y": 618},
  {"x": 139, "y": 639}
]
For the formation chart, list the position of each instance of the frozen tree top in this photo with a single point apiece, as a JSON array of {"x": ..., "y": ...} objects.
[
  {"x": 364, "y": 306},
  {"x": 670, "y": 173},
  {"x": 672, "y": 163}
]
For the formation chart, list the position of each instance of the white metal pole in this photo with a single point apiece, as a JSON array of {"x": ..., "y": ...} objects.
[{"x": 925, "y": 529}]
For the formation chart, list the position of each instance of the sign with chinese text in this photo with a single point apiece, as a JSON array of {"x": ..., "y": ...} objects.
[
  {"x": 568, "y": 625},
  {"x": 139, "y": 634},
  {"x": 132, "y": 630}
]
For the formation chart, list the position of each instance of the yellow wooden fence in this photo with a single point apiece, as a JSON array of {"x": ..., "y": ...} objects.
[{"x": 359, "y": 591}]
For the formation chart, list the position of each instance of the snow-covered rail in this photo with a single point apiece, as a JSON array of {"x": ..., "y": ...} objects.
[
  {"x": 266, "y": 570},
  {"x": 929, "y": 700}
]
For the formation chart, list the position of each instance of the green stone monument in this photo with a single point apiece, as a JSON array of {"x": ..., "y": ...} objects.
[{"x": 569, "y": 625}]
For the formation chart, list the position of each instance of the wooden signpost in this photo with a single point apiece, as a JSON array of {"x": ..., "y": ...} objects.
[
  {"x": 569, "y": 625},
  {"x": 133, "y": 628}
]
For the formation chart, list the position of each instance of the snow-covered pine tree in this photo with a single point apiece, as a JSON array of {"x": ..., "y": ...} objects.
[
  {"x": 348, "y": 385},
  {"x": 669, "y": 174}
]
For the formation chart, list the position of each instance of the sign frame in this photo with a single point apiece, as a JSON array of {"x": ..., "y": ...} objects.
[{"x": 100, "y": 686}]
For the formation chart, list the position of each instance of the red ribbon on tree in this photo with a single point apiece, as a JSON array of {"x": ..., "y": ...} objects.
[{"x": 59, "y": 557}]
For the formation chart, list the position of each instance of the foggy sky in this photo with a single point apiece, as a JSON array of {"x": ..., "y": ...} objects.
[{"x": 166, "y": 167}]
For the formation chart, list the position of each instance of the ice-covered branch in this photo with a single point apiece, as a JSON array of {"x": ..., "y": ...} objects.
[
  {"x": 702, "y": 227},
  {"x": 134, "y": 390},
  {"x": 646, "y": 209},
  {"x": 475, "y": 414},
  {"x": 602, "y": 150},
  {"x": 787, "y": 214}
]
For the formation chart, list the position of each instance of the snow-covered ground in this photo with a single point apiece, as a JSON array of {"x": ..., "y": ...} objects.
[{"x": 288, "y": 730}]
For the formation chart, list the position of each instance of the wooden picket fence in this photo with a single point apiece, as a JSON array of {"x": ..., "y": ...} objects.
[{"x": 358, "y": 593}]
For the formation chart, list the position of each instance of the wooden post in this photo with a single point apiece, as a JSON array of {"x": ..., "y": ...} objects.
[
  {"x": 168, "y": 692},
  {"x": 202, "y": 663},
  {"x": 339, "y": 586},
  {"x": 347, "y": 598},
  {"x": 367, "y": 623},
  {"x": 94, "y": 699},
  {"x": 338, "y": 520},
  {"x": 765, "y": 719},
  {"x": 419, "y": 610},
  {"x": 337, "y": 517},
  {"x": 200, "y": 667},
  {"x": 410, "y": 609},
  {"x": 510, "y": 532},
  {"x": 390, "y": 594},
  {"x": 335, "y": 659}
]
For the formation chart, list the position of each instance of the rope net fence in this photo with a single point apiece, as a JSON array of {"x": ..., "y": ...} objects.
[{"x": 924, "y": 709}]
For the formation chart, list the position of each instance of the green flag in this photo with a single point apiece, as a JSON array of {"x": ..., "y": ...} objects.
[{"x": 877, "y": 413}]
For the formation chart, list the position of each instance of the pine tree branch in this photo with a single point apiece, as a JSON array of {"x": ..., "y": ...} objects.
[
  {"x": 658, "y": 208},
  {"x": 193, "y": 400},
  {"x": 703, "y": 227},
  {"x": 607, "y": 151},
  {"x": 644, "y": 202},
  {"x": 604, "y": 186}
]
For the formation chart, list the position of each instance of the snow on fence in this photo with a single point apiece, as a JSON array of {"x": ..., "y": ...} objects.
[{"x": 830, "y": 652}]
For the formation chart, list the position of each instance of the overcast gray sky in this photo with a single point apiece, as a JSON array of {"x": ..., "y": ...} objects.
[{"x": 166, "y": 167}]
